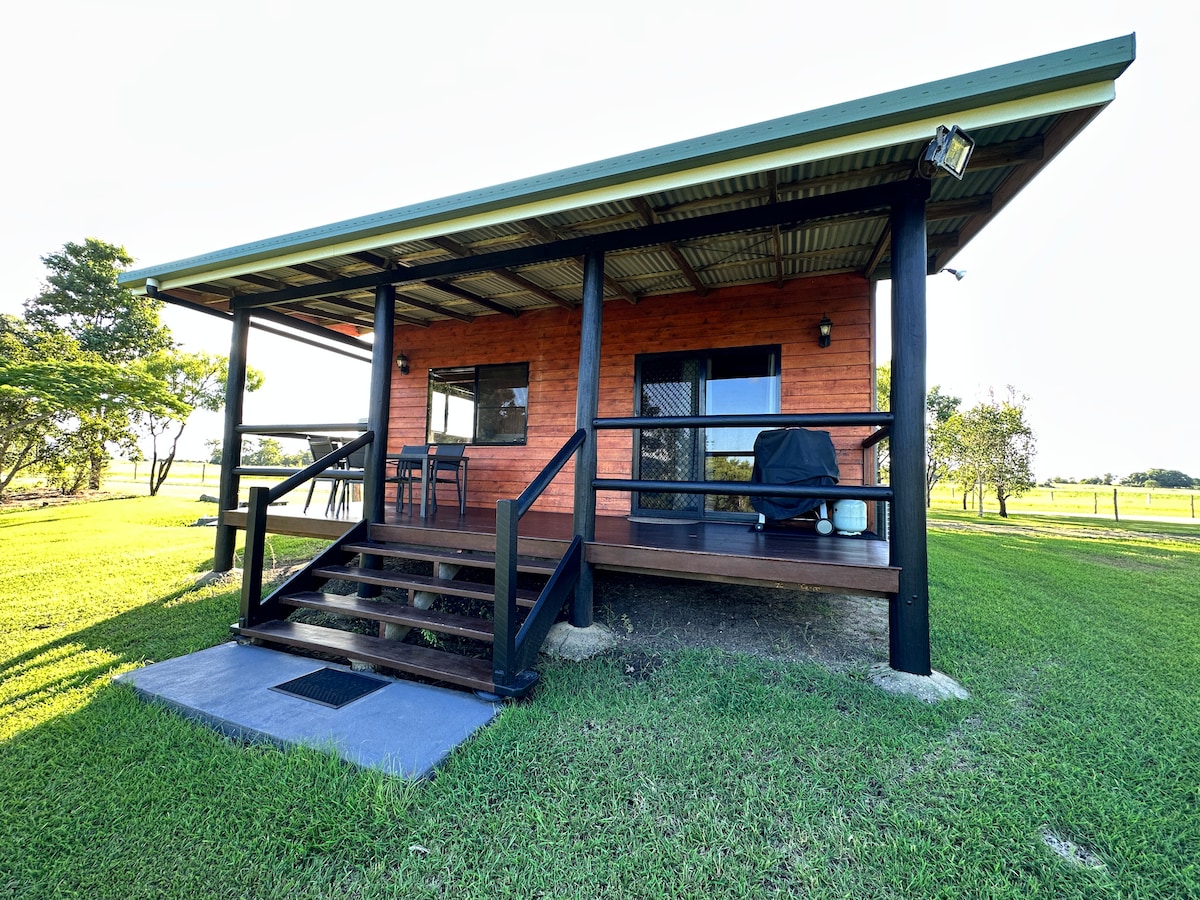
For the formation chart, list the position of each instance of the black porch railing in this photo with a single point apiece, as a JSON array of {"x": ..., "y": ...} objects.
[
  {"x": 253, "y": 609},
  {"x": 513, "y": 653},
  {"x": 745, "y": 488}
]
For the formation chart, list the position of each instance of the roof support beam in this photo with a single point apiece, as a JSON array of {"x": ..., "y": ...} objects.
[
  {"x": 545, "y": 233},
  {"x": 784, "y": 214},
  {"x": 650, "y": 217},
  {"x": 456, "y": 249}
]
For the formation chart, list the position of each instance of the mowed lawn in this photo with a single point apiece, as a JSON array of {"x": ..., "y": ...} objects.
[{"x": 705, "y": 774}]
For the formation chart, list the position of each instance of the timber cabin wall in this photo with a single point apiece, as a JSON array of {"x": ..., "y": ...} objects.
[{"x": 839, "y": 378}]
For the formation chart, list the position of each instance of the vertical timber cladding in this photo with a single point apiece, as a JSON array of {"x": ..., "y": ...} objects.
[{"x": 836, "y": 379}]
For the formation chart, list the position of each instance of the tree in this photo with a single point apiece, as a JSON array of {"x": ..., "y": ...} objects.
[
  {"x": 995, "y": 446},
  {"x": 49, "y": 388},
  {"x": 1171, "y": 478},
  {"x": 195, "y": 381},
  {"x": 940, "y": 444},
  {"x": 81, "y": 299}
]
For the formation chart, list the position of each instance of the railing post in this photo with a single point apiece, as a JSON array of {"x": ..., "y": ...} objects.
[
  {"x": 587, "y": 403},
  {"x": 253, "y": 556},
  {"x": 504, "y": 645},
  {"x": 908, "y": 630},
  {"x": 231, "y": 444}
]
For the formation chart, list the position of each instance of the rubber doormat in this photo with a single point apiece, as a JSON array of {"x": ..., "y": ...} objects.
[{"x": 331, "y": 687}]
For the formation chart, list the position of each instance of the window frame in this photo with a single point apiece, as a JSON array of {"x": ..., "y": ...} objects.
[{"x": 476, "y": 370}]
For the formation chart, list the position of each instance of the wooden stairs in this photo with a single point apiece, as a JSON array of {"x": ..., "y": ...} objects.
[{"x": 407, "y": 601}]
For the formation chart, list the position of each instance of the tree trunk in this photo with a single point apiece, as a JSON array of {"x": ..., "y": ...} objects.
[
  {"x": 95, "y": 467},
  {"x": 1003, "y": 505}
]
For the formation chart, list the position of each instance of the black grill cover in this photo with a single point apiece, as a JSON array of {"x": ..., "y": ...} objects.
[{"x": 792, "y": 456}]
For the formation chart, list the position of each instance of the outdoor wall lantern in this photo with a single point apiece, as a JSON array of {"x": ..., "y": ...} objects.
[
  {"x": 950, "y": 151},
  {"x": 960, "y": 274},
  {"x": 824, "y": 331},
  {"x": 402, "y": 363}
]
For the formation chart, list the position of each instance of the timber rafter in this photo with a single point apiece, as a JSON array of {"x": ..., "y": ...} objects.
[{"x": 784, "y": 214}]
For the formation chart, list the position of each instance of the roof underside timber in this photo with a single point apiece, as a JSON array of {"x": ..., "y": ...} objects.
[{"x": 795, "y": 197}]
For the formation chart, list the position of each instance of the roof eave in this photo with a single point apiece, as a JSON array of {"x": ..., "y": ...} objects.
[{"x": 1095, "y": 63}]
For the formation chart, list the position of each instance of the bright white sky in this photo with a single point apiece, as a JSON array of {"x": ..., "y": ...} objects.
[{"x": 180, "y": 128}]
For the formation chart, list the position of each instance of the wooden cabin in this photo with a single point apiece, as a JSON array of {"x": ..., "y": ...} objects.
[{"x": 604, "y": 343}]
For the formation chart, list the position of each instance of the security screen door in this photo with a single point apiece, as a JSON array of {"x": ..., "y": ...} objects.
[{"x": 711, "y": 382}]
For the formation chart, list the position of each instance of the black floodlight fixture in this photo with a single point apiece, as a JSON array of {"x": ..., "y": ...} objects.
[
  {"x": 960, "y": 274},
  {"x": 950, "y": 151},
  {"x": 824, "y": 332},
  {"x": 402, "y": 364}
]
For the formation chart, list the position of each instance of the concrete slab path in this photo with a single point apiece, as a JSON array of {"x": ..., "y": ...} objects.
[{"x": 404, "y": 729}]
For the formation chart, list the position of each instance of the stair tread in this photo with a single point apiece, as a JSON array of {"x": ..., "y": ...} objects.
[
  {"x": 450, "y": 586},
  {"x": 436, "y": 664},
  {"x": 395, "y": 613},
  {"x": 477, "y": 558}
]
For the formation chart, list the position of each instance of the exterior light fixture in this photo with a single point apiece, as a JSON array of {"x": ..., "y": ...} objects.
[
  {"x": 402, "y": 363},
  {"x": 949, "y": 151},
  {"x": 824, "y": 331},
  {"x": 957, "y": 273}
]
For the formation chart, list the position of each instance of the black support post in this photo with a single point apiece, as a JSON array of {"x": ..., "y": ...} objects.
[
  {"x": 587, "y": 406},
  {"x": 381, "y": 391},
  {"x": 231, "y": 444},
  {"x": 909, "y": 611},
  {"x": 375, "y": 470}
]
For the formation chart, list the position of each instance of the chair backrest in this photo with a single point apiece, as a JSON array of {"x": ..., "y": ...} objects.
[
  {"x": 415, "y": 448},
  {"x": 319, "y": 447},
  {"x": 357, "y": 459},
  {"x": 450, "y": 451}
]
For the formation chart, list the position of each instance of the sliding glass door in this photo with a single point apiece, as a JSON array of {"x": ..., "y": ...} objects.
[{"x": 712, "y": 382}]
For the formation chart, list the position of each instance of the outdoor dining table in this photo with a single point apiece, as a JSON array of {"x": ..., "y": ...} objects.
[{"x": 427, "y": 461}]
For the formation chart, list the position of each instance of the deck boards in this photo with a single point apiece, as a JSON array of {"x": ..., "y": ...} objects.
[{"x": 710, "y": 551}]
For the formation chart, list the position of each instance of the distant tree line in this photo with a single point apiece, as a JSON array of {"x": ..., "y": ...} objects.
[
  {"x": 89, "y": 369},
  {"x": 1151, "y": 478}
]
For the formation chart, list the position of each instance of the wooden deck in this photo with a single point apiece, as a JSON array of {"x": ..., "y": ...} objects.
[{"x": 707, "y": 551}]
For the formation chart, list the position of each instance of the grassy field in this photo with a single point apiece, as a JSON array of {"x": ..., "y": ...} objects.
[
  {"x": 1082, "y": 499},
  {"x": 702, "y": 774}
]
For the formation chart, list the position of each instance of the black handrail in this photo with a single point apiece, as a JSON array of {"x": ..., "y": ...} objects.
[
  {"x": 508, "y": 655},
  {"x": 755, "y": 420},
  {"x": 262, "y": 497},
  {"x": 746, "y": 489},
  {"x": 549, "y": 471},
  {"x": 875, "y": 437}
]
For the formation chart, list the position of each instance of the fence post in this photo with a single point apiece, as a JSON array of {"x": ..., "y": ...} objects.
[
  {"x": 1116, "y": 511},
  {"x": 1095, "y": 502}
]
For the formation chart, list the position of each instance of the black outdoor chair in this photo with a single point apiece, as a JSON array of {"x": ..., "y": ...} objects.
[
  {"x": 450, "y": 459},
  {"x": 321, "y": 447},
  {"x": 407, "y": 471},
  {"x": 357, "y": 461}
]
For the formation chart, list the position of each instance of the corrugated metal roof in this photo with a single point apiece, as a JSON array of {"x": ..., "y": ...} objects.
[{"x": 1019, "y": 114}]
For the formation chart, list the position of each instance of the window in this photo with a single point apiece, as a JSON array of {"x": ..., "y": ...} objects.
[{"x": 478, "y": 404}]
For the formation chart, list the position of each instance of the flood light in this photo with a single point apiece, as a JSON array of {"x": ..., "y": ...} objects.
[{"x": 949, "y": 151}]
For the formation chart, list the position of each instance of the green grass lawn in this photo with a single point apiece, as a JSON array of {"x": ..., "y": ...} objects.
[{"x": 705, "y": 775}]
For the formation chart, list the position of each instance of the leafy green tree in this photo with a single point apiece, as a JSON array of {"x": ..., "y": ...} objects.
[
  {"x": 81, "y": 299},
  {"x": 1171, "y": 478},
  {"x": 49, "y": 388},
  {"x": 195, "y": 381},
  {"x": 940, "y": 443},
  {"x": 994, "y": 445}
]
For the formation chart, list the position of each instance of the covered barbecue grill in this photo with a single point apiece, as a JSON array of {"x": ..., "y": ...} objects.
[{"x": 793, "y": 456}]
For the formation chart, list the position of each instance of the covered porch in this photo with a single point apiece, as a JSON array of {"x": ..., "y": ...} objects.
[{"x": 562, "y": 308}]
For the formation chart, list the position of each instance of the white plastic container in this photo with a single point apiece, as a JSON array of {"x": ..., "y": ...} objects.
[{"x": 850, "y": 516}]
